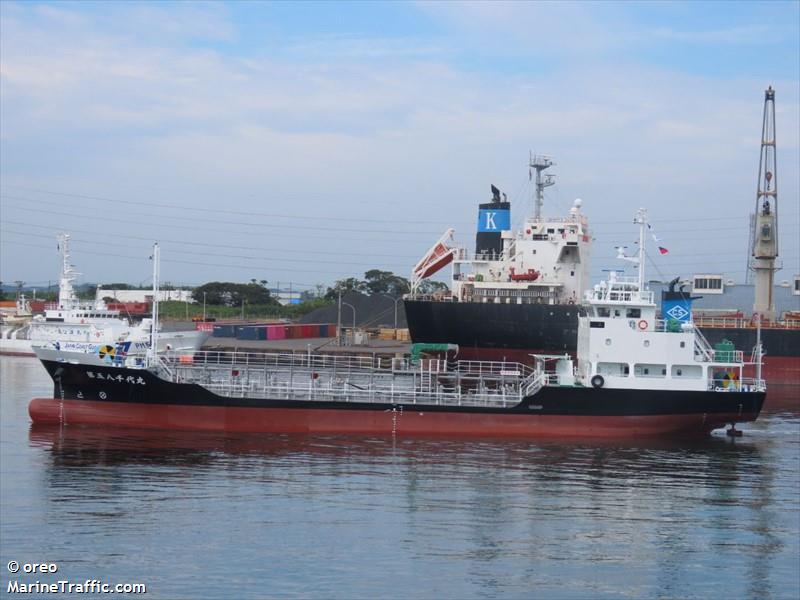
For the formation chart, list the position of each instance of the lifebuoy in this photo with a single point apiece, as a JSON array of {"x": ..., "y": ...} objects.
[
  {"x": 642, "y": 324},
  {"x": 598, "y": 381}
]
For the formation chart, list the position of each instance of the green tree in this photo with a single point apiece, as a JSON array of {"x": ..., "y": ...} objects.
[
  {"x": 86, "y": 292},
  {"x": 431, "y": 287},
  {"x": 117, "y": 286},
  {"x": 385, "y": 282},
  {"x": 351, "y": 284},
  {"x": 227, "y": 293}
]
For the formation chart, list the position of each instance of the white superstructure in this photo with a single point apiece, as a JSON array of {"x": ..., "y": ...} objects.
[
  {"x": 623, "y": 345},
  {"x": 546, "y": 261}
]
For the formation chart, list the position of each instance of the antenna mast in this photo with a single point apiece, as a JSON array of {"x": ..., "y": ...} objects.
[
  {"x": 154, "y": 330},
  {"x": 765, "y": 230},
  {"x": 641, "y": 220},
  {"x": 540, "y": 163}
]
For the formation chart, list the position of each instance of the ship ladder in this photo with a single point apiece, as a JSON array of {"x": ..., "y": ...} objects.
[
  {"x": 533, "y": 383},
  {"x": 701, "y": 345}
]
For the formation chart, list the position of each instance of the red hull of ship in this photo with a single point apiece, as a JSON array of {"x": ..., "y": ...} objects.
[{"x": 406, "y": 422}]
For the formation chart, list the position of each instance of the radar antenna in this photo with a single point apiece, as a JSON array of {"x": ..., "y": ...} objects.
[{"x": 765, "y": 229}]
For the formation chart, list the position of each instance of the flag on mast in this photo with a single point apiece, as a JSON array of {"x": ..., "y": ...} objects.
[{"x": 661, "y": 249}]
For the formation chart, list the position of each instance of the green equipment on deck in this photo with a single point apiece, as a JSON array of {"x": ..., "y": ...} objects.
[{"x": 418, "y": 349}]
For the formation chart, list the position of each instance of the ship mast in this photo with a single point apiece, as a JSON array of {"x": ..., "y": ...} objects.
[
  {"x": 765, "y": 230},
  {"x": 66, "y": 293},
  {"x": 540, "y": 163},
  {"x": 153, "y": 352},
  {"x": 641, "y": 220}
]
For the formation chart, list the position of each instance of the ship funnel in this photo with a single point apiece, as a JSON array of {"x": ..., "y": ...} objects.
[
  {"x": 493, "y": 219},
  {"x": 676, "y": 306}
]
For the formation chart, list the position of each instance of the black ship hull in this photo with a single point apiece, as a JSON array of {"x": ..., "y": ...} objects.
[{"x": 529, "y": 327}]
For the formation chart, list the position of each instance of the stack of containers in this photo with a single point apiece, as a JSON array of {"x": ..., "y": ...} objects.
[{"x": 274, "y": 331}]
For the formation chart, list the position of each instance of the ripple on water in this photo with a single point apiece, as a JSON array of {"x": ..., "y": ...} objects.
[{"x": 332, "y": 516}]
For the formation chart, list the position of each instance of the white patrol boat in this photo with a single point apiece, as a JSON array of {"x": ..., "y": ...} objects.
[{"x": 85, "y": 327}]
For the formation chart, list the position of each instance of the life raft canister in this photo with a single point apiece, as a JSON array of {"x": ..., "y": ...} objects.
[{"x": 107, "y": 351}]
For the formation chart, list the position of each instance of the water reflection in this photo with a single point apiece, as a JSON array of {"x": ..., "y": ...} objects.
[{"x": 449, "y": 518}]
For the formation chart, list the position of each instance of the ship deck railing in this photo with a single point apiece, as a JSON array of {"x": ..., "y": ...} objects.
[
  {"x": 745, "y": 384},
  {"x": 742, "y": 323},
  {"x": 337, "y": 378}
]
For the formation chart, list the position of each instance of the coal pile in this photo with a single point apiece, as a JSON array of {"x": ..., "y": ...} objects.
[{"x": 371, "y": 312}]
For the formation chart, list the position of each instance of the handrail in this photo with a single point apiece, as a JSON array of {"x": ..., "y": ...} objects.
[
  {"x": 743, "y": 323},
  {"x": 702, "y": 346}
]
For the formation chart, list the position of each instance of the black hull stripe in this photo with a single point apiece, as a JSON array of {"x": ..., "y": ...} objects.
[{"x": 76, "y": 384}]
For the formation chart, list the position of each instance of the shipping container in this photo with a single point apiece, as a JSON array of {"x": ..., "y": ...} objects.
[
  {"x": 276, "y": 332},
  {"x": 251, "y": 332},
  {"x": 36, "y": 306},
  {"x": 224, "y": 331}
]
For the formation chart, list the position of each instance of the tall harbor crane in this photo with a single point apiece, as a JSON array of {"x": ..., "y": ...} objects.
[{"x": 765, "y": 224}]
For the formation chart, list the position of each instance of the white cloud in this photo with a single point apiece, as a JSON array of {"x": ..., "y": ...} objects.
[{"x": 418, "y": 136}]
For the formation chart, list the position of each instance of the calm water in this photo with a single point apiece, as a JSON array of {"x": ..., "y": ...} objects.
[{"x": 207, "y": 516}]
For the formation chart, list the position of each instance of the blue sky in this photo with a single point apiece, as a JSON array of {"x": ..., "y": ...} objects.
[{"x": 307, "y": 142}]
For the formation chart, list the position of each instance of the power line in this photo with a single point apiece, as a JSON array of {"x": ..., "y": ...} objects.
[
  {"x": 249, "y": 213},
  {"x": 202, "y": 220},
  {"x": 251, "y": 268},
  {"x": 204, "y": 244}
]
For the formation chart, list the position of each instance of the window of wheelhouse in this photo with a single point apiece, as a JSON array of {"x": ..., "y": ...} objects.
[
  {"x": 633, "y": 313},
  {"x": 649, "y": 370},
  {"x": 603, "y": 311}
]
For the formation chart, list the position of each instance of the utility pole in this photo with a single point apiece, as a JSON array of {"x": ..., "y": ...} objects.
[
  {"x": 339, "y": 320},
  {"x": 765, "y": 231}
]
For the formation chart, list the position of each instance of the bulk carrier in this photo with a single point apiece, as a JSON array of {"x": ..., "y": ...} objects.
[
  {"x": 518, "y": 291},
  {"x": 515, "y": 296}
]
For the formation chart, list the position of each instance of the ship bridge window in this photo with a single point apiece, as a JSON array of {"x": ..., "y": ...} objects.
[
  {"x": 603, "y": 311},
  {"x": 550, "y": 230},
  {"x": 687, "y": 371},
  {"x": 613, "y": 369},
  {"x": 649, "y": 370},
  {"x": 797, "y": 286},
  {"x": 633, "y": 313}
]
